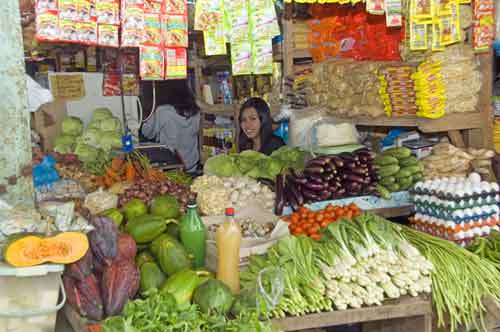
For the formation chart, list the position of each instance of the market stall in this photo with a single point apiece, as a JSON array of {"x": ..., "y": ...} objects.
[{"x": 288, "y": 238}]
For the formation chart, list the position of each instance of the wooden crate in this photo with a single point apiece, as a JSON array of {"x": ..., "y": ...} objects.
[{"x": 406, "y": 314}]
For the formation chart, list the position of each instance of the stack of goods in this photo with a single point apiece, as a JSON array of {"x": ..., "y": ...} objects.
[
  {"x": 358, "y": 262},
  {"x": 457, "y": 209},
  {"x": 100, "y": 284},
  {"x": 461, "y": 78},
  {"x": 446, "y": 160},
  {"x": 327, "y": 177},
  {"x": 249, "y": 26},
  {"x": 346, "y": 87},
  {"x": 215, "y": 193},
  {"x": 350, "y": 32},
  {"x": 398, "y": 90},
  {"x": 398, "y": 170},
  {"x": 255, "y": 164},
  {"x": 296, "y": 92},
  {"x": 430, "y": 90}
]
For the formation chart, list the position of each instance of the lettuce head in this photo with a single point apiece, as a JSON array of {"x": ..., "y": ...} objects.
[
  {"x": 222, "y": 165},
  {"x": 101, "y": 113},
  {"x": 71, "y": 125},
  {"x": 86, "y": 153}
]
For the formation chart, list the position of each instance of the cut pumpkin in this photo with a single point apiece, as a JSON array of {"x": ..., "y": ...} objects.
[{"x": 64, "y": 248}]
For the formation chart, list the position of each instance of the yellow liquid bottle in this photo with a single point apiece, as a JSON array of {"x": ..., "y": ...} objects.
[{"x": 228, "y": 238}]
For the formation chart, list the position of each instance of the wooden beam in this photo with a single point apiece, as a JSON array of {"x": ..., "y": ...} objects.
[
  {"x": 484, "y": 104},
  {"x": 456, "y": 138}
]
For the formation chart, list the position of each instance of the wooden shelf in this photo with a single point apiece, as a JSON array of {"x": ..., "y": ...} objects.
[
  {"x": 218, "y": 109},
  {"x": 417, "y": 307}
]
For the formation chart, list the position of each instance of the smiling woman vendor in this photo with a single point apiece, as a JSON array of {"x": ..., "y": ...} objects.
[{"x": 256, "y": 125}]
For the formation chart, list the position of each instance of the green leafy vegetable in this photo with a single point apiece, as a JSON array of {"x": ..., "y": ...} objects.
[{"x": 72, "y": 125}]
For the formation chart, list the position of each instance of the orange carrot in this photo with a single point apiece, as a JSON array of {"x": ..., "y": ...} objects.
[
  {"x": 130, "y": 172},
  {"x": 116, "y": 164}
]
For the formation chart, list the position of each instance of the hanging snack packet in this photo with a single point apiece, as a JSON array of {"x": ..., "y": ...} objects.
[
  {"x": 130, "y": 85},
  {"x": 175, "y": 31},
  {"x": 208, "y": 14},
  {"x": 152, "y": 30},
  {"x": 83, "y": 10},
  {"x": 176, "y": 7},
  {"x": 263, "y": 20},
  {"x": 132, "y": 3},
  {"x": 375, "y": 7},
  {"x": 241, "y": 58},
  {"x": 436, "y": 37},
  {"x": 238, "y": 21},
  {"x": 151, "y": 63},
  {"x": 68, "y": 10},
  {"x": 68, "y": 31},
  {"x": 421, "y": 10},
  {"x": 393, "y": 15},
  {"x": 153, "y": 6},
  {"x": 133, "y": 27},
  {"x": 262, "y": 56},
  {"x": 107, "y": 12},
  {"x": 215, "y": 41},
  {"x": 175, "y": 63},
  {"x": 418, "y": 36},
  {"x": 87, "y": 32},
  {"x": 47, "y": 26},
  {"x": 43, "y": 6},
  {"x": 107, "y": 35}
]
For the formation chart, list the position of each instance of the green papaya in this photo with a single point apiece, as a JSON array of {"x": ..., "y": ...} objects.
[
  {"x": 173, "y": 230},
  {"x": 146, "y": 228},
  {"x": 155, "y": 245},
  {"x": 151, "y": 276},
  {"x": 182, "y": 285},
  {"x": 172, "y": 256},
  {"x": 143, "y": 257}
]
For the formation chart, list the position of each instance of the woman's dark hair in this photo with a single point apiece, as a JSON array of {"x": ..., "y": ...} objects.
[
  {"x": 175, "y": 92},
  {"x": 266, "y": 122}
]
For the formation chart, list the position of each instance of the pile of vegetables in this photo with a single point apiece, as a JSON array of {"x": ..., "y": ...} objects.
[
  {"x": 216, "y": 193},
  {"x": 487, "y": 248},
  {"x": 179, "y": 177},
  {"x": 357, "y": 262},
  {"x": 398, "y": 171},
  {"x": 310, "y": 223},
  {"x": 327, "y": 177},
  {"x": 255, "y": 164},
  {"x": 70, "y": 167}
]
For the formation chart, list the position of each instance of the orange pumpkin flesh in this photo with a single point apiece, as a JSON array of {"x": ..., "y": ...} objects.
[{"x": 64, "y": 248}]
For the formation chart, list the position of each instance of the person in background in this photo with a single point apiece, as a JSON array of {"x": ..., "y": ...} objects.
[
  {"x": 175, "y": 121},
  {"x": 256, "y": 128}
]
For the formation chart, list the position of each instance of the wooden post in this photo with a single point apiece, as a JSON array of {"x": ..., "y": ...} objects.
[
  {"x": 15, "y": 132},
  {"x": 484, "y": 138}
]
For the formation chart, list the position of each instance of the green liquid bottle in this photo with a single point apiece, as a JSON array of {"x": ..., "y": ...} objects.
[{"x": 193, "y": 235}]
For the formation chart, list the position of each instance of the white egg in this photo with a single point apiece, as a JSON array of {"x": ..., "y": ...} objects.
[{"x": 474, "y": 177}]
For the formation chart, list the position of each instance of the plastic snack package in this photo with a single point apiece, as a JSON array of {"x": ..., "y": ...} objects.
[
  {"x": 436, "y": 37},
  {"x": 43, "y": 6},
  {"x": 68, "y": 31},
  {"x": 262, "y": 56},
  {"x": 241, "y": 57},
  {"x": 174, "y": 29},
  {"x": 68, "y": 10},
  {"x": 176, "y": 7},
  {"x": 238, "y": 21},
  {"x": 133, "y": 18},
  {"x": 208, "y": 14},
  {"x": 263, "y": 20},
  {"x": 151, "y": 63},
  {"x": 107, "y": 35},
  {"x": 421, "y": 10},
  {"x": 175, "y": 63},
  {"x": 152, "y": 29},
  {"x": 215, "y": 41},
  {"x": 107, "y": 11},
  {"x": 153, "y": 6},
  {"x": 418, "y": 36},
  {"x": 87, "y": 32},
  {"x": 84, "y": 10},
  {"x": 47, "y": 26}
]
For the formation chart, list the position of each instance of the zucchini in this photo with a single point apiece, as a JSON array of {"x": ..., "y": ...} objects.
[
  {"x": 393, "y": 187},
  {"x": 399, "y": 153},
  {"x": 403, "y": 173},
  {"x": 384, "y": 193},
  {"x": 417, "y": 177},
  {"x": 388, "y": 170},
  {"x": 382, "y": 160},
  {"x": 387, "y": 180},
  {"x": 410, "y": 161},
  {"x": 405, "y": 183},
  {"x": 413, "y": 169}
]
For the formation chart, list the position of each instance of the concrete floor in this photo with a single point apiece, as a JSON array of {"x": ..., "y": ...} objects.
[{"x": 62, "y": 324}]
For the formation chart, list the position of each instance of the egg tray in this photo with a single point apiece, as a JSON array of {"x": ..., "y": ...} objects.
[
  {"x": 457, "y": 220},
  {"x": 450, "y": 236},
  {"x": 440, "y": 195},
  {"x": 489, "y": 221},
  {"x": 458, "y": 205}
]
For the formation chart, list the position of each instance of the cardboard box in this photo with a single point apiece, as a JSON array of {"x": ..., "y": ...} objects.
[{"x": 47, "y": 122}]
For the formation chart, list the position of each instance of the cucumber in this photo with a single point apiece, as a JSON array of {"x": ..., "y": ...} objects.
[
  {"x": 418, "y": 177},
  {"x": 388, "y": 170},
  {"x": 410, "y": 161},
  {"x": 399, "y": 153},
  {"x": 404, "y": 173},
  {"x": 393, "y": 187},
  {"x": 381, "y": 160},
  {"x": 413, "y": 169},
  {"x": 405, "y": 183},
  {"x": 384, "y": 193},
  {"x": 387, "y": 180}
]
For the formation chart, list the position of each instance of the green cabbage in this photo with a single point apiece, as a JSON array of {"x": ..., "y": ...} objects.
[
  {"x": 86, "y": 153},
  {"x": 94, "y": 125},
  {"x": 65, "y": 140},
  {"x": 110, "y": 140},
  {"x": 101, "y": 113},
  {"x": 91, "y": 137},
  {"x": 71, "y": 125},
  {"x": 222, "y": 165},
  {"x": 64, "y": 148},
  {"x": 111, "y": 124}
]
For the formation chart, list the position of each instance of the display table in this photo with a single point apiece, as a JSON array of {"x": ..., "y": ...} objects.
[{"x": 408, "y": 314}]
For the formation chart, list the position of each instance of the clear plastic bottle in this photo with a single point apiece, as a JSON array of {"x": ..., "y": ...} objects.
[
  {"x": 193, "y": 235},
  {"x": 228, "y": 238}
]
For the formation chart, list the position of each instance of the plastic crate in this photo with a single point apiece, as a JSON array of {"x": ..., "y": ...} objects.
[{"x": 29, "y": 298}]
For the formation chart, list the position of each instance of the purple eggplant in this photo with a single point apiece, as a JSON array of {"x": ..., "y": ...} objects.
[
  {"x": 314, "y": 186},
  {"x": 337, "y": 161},
  {"x": 321, "y": 162},
  {"x": 297, "y": 194},
  {"x": 297, "y": 174},
  {"x": 325, "y": 194},
  {"x": 291, "y": 198},
  {"x": 355, "y": 178},
  {"x": 296, "y": 180},
  {"x": 318, "y": 178},
  {"x": 280, "y": 195},
  {"x": 311, "y": 195},
  {"x": 361, "y": 171},
  {"x": 314, "y": 170},
  {"x": 328, "y": 177}
]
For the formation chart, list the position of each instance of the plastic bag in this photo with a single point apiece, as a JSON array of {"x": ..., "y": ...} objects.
[
  {"x": 301, "y": 124},
  {"x": 100, "y": 200},
  {"x": 62, "y": 189},
  {"x": 65, "y": 220}
]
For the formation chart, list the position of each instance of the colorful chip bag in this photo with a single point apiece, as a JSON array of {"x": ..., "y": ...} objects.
[
  {"x": 241, "y": 58},
  {"x": 174, "y": 30},
  {"x": 108, "y": 35},
  {"x": 84, "y": 10},
  {"x": 152, "y": 29},
  {"x": 68, "y": 31},
  {"x": 87, "y": 32},
  {"x": 151, "y": 63},
  {"x": 47, "y": 26},
  {"x": 262, "y": 51},
  {"x": 215, "y": 41},
  {"x": 175, "y": 63},
  {"x": 107, "y": 12},
  {"x": 68, "y": 10},
  {"x": 176, "y": 7},
  {"x": 153, "y": 6},
  {"x": 46, "y": 5}
]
